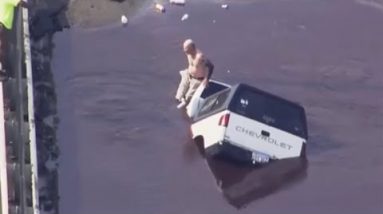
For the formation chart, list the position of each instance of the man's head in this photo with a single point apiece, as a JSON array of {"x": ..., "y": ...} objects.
[{"x": 189, "y": 47}]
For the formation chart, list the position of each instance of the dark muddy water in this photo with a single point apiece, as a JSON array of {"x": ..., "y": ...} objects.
[{"x": 125, "y": 147}]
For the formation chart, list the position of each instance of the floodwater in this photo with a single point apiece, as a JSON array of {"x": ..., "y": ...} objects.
[{"x": 125, "y": 148}]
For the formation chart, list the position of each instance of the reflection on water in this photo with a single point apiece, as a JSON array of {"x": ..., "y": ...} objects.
[{"x": 242, "y": 184}]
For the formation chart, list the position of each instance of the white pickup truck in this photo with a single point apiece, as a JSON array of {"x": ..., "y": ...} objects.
[{"x": 247, "y": 124}]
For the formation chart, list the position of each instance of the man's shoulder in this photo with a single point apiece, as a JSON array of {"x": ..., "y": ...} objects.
[{"x": 200, "y": 55}]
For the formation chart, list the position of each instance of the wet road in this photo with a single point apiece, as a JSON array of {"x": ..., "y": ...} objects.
[{"x": 125, "y": 147}]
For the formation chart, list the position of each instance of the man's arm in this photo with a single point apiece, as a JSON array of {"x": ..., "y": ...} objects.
[
  {"x": 201, "y": 63},
  {"x": 189, "y": 61},
  {"x": 210, "y": 68}
]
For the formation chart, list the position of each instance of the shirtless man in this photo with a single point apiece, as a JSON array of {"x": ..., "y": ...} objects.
[{"x": 198, "y": 72}]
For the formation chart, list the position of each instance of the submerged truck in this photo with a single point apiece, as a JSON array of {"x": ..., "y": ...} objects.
[{"x": 245, "y": 123}]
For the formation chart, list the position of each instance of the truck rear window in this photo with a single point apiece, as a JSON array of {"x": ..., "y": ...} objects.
[
  {"x": 214, "y": 102},
  {"x": 271, "y": 111},
  {"x": 212, "y": 89}
]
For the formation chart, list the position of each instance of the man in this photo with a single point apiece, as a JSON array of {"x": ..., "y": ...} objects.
[
  {"x": 7, "y": 8},
  {"x": 198, "y": 72}
]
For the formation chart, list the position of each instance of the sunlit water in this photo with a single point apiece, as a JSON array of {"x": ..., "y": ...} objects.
[{"x": 125, "y": 148}]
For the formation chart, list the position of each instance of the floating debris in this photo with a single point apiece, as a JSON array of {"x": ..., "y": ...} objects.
[
  {"x": 124, "y": 20},
  {"x": 225, "y": 6},
  {"x": 160, "y": 8},
  {"x": 302, "y": 27},
  {"x": 178, "y": 2},
  {"x": 184, "y": 17}
]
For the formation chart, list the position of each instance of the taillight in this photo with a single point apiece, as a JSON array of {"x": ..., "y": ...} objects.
[{"x": 224, "y": 120}]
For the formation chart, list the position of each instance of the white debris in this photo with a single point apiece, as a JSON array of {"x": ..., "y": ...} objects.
[
  {"x": 160, "y": 8},
  {"x": 124, "y": 20},
  {"x": 184, "y": 17},
  {"x": 225, "y": 6},
  {"x": 178, "y": 2},
  {"x": 302, "y": 27},
  {"x": 228, "y": 71},
  {"x": 214, "y": 21}
]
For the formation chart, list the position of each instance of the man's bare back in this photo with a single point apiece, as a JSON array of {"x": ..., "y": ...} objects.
[{"x": 197, "y": 66}]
